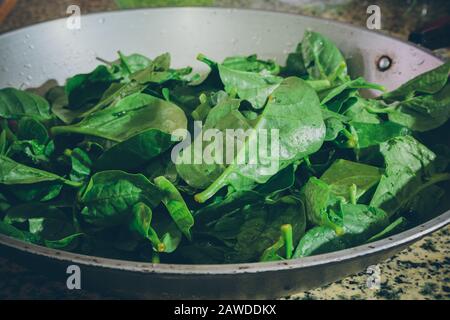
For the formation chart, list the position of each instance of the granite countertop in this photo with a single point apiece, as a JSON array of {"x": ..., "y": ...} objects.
[{"x": 420, "y": 272}]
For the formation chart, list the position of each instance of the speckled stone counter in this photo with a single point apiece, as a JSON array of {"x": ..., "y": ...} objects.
[{"x": 420, "y": 272}]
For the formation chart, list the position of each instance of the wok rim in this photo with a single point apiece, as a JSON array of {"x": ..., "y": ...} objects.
[
  {"x": 213, "y": 8},
  {"x": 398, "y": 240}
]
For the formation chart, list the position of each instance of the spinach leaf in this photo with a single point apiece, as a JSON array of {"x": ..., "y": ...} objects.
[
  {"x": 359, "y": 83},
  {"x": 42, "y": 191},
  {"x": 249, "y": 231},
  {"x": 250, "y": 83},
  {"x": 3, "y": 142},
  {"x": 141, "y": 224},
  {"x": 343, "y": 174},
  {"x": 272, "y": 252},
  {"x": 360, "y": 223},
  {"x": 201, "y": 112},
  {"x": 429, "y": 82},
  {"x": 53, "y": 227},
  {"x": 207, "y": 102},
  {"x": 11, "y": 231},
  {"x": 13, "y": 173},
  {"x": 47, "y": 225},
  {"x": 358, "y": 111},
  {"x": 301, "y": 133},
  {"x": 159, "y": 72},
  {"x": 423, "y": 103},
  {"x": 192, "y": 167},
  {"x": 233, "y": 202},
  {"x": 423, "y": 113},
  {"x": 319, "y": 240},
  {"x": 31, "y": 152},
  {"x": 286, "y": 241},
  {"x": 81, "y": 165},
  {"x": 280, "y": 182},
  {"x": 15, "y": 104},
  {"x": 31, "y": 184},
  {"x": 335, "y": 123},
  {"x": 322, "y": 58},
  {"x": 295, "y": 65},
  {"x": 112, "y": 95},
  {"x": 130, "y": 116},
  {"x": 57, "y": 97},
  {"x": 32, "y": 144},
  {"x": 140, "y": 124},
  {"x": 31, "y": 129},
  {"x": 395, "y": 227},
  {"x": 409, "y": 169},
  {"x": 370, "y": 134},
  {"x": 66, "y": 243},
  {"x": 251, "y": 64},
  {"x": 162, "y": 166},
  {"x": 136, "y": 151},
  {"x": 187, "y": 96},
  {"x": 128, "y": 65},
  {"x": 168, "y": 231},
  {"x": 254, "y": 87},
  {"x": 21, "y": 213},
  {"x": 171, "y": 237},
  {"x": 176, "y": 206},
  {"x": 343, "y": 101},
  {"x": 320, "y": 204},
  {"x": 88, "y": 88},
  {"x": 344, "y": 181},
  {"x": 110, "y": 197}
]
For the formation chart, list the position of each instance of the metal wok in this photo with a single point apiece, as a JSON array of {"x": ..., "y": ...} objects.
[{"x": 31, "y": 56}]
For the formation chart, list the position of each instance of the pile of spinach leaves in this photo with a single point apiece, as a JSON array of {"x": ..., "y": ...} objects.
[{"x": 87, "y": 167}]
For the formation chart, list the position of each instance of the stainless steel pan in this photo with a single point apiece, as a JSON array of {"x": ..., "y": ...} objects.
[{"x": 31, "y": 56}]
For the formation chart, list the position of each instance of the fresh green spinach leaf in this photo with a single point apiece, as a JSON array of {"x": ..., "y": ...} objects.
[
  {"x": 141, "y": 224},
  {"x": 343, "y": 174},
  {"x": 110, "y": 197},
  {"x": 360, "y": 223},
  {"x": 370, "y": 134},
  {"x": 130, "y": 116},
  {"x": 176, "y": 206},
  {"x": 88, "y": 88},
  {"x": 409, "y": 169},
  {"x": 13, "y": 173},
  {"x": 247, "y": 232},
  {"x": 15, "y": 104},
  {"x": 322, "y": 58},
  {"x": 429, "y": 82},
  {"x": 136, "y": 151},
  {"x": 301, "y": 133}
]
